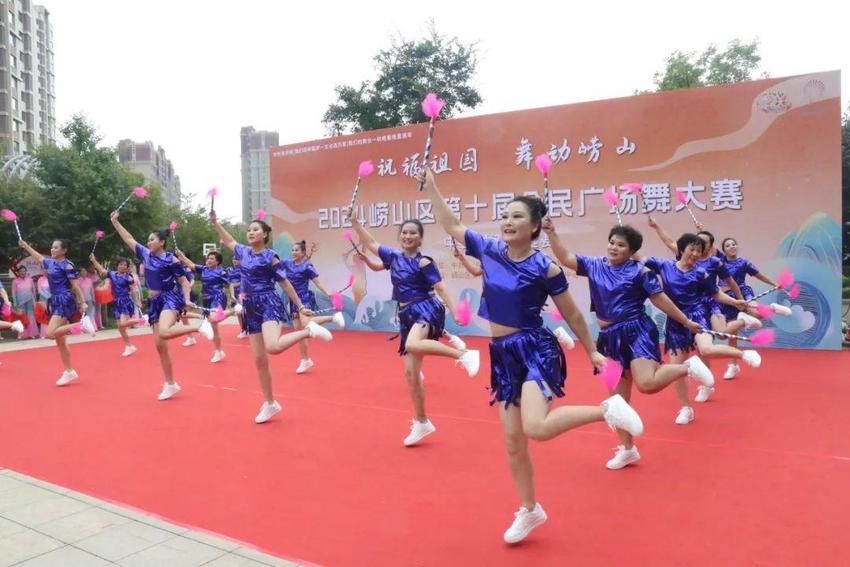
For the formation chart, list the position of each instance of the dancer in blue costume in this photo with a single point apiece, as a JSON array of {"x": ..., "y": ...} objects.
[
  {"x": 528, "y": 367},
  {"x": 263, "y": 309},
  {"x": 690, "y": 287},
  {"x": 416, "y": 283},
  {"x": 301, "y": 274},
  {"x": 66, "y": 299},
  {"x": 124, "y": 304},
  {"x": 619, "y": 288},
  {"x": 168, "y": 293}
]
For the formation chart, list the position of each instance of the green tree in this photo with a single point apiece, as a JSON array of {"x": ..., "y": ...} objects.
[
  {"x": 406, "y": 73},
  {"x": 686, "y": 69}
]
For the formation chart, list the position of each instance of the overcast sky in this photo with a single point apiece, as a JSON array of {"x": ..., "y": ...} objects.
[{"x": 188, "y": 74}]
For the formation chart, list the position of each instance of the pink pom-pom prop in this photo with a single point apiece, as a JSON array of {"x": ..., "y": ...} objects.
[
  {"x": 348, "y": 236},
  {"x": 682, "y": 197},
  {"x": 764, "y": 311},
  {"x": 366, "y": 168},
  {"x": 218, "y": 314},
  {"x": 212, "y": 194},
  {"x": 98, "y": 234},
  {"x": 431, "y": 106},
  {"x": 139, "y": 192},
  {"x": 632, "y": 187},
  {"x": 544, "y": 164},
  {"x": 336, "y": 300},
  {"x": 785, "y": 279},
  {"x": 463, "y": 312},
  {"x": 556, "y": 315},
  {"x": 76, "y": 330},
  {"x": 763, "y": 337},
  {"x": 172, "y": 226},
  {"x": 611, "y": 197},
  {"x": 794, "y": 293},
  {"x": 10, "y": 216},
  {"x": 260, "y": 214},
  {"x": 7, "y": 310},
  {"x": 611, "y": 373}
]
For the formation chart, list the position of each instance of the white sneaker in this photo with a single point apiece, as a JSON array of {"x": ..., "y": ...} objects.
[
  {"x": 218, "y": 356},
  {"x": 620, "y": 415},
  {"x": 731, "y": 371},
  {"x": 703, "y": 394},
  {"x": 456, "y": 342},
  {"x": 623, "y": 458},
  {"x": 267, "y": 411},
  {"x": 685, "y": 415},
  {"x": 241, "y": 335},
  {"x": 699, "y": 371},
  {"x": 750, "y": 322},
  {"x": 418, "y": 430},
  {"x": 564, "y": 338},
  {"x": 339, "y": 320},
  {"x": 752, "y": 358},
  {"x": 525, "y": 520},
  {"x": 129, "y": 350},
  {"x": 87, "y": 325},
  {"x": 471, "y": 362},
  {"x": 18, "y": 327},
  {"x": 318, "y": 332},
  {"x": 67, "y": 377},
  {"x": 238, "y": 309},
  {"x": 206, "y": 330},
  {"x": 306, "y": 364},
  {"x": 190, "y": 340},
  {"x": 168, "y": 391},
  {"x": 783, "y": 310}
]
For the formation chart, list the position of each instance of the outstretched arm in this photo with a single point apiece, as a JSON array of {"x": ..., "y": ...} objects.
[
  {"x": 663, "y": 302},
  {"x": 31, "y": 251},
  {"x": 97, "y": 266},
  {"x": 447, "y": 219},
  {"x": 662, "y": 234},
  {"x": 565, "y": 257},
  {"x": 225, "y": 236},
  {"x": 318, "y": 283},
  {"x": 123, "y": 232},
  {"x": 189, "y": 264}
]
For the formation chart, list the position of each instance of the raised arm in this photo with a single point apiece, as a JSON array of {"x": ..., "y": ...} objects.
[
  {"x": 31, "y": 251},
  {"x": 565, "y": 257},
  {"x": 373, "y": 265},
  {"x": 225, "y": 236},
  {"x": 662, "y": 234},
  {"x": 366, "y": 239},
  {"x": 123, "y": 232},
  {"x": 101, "y": 271},
  {"x": 447, "y": 219},
  {"x": 469, "y": 266},
  {"x": 187, "y": 263}
]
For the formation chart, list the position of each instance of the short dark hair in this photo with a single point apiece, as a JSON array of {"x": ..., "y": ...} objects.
[
  {"x": 118, "y": 262},
  {"x": 688, "y": 239},
  {"x": 725, "y": 240},
  {"x": 709, "y": 235},
  {"x": 632, "y": 236},
  {"x": 416, "y": 222},
  {"x": 217, "y": 255},
  {"x": 536, "y": 209}
]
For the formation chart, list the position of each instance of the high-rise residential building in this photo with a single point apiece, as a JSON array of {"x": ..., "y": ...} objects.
[
  {"x": 27, "y": 95},
  {"x": 255, "y": 170},
  {"x": 152, "y": 163}
]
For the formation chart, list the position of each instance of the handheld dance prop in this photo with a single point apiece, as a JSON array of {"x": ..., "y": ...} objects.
[
  {"x": 682, "y": 197},
  {"x": 12, "y": 217},
  {"x": 431, "y": 107},
  {"x": 613, "y": 199},
  {"x": 98, "y": 234},
  {"x": 544, "y": 165},
  {"x": 139, "y": 192},
  {"x": 365, "y": 169}
]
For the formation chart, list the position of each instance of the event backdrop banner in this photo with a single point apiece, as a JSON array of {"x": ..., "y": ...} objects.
[{"x": 759, "y": 161}]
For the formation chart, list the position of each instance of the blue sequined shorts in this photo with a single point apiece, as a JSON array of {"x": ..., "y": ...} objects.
[
  {"x": 62, "y": 305},
  {"x": 308, "y": 301},
  {"x": 679, "y": 338},
  {"x": 423, "y": 312},
  {"x": 123, "y": 306},
  {"x": 532, "y": 354},
  {"x": 625, "y": 341},
  {"x": 171, "y": 300},
  {"x": 730, "y": 312},
  {"x": 262, "y": 307}
]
